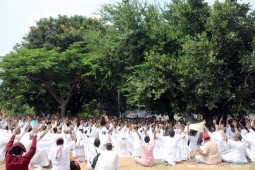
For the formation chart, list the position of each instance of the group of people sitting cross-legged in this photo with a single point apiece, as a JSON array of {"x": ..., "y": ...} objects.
[{"x": 61, "y": 144}]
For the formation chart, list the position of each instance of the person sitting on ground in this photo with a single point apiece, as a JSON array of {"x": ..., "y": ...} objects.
[
  {"x": 237, "y": 151},
  {"x": 108, "y": 159},
  {"x": 208, "y": 153},
  {"x": 147, "y": 158},
  {"x": 60, "y": 155},
  {"x": 14, "y": 152},
  {"x": 92, "y": 152},
  {"x": 171, "y": 154}
]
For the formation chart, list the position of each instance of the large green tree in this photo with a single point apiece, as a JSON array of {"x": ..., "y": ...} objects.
[{"x": 52, "y": 58}]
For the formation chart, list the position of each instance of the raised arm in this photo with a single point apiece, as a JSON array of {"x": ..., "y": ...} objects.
[
  {"x": 138, "y": 134},
  {"x": 32, "y": 149},
  {"x": 45, "y": 131},
  {"x": 10, "y": 143}
]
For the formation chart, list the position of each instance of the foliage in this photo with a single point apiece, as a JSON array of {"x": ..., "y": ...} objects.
[{"x": 184, "y": 57}]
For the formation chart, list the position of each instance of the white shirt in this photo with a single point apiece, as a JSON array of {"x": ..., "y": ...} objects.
[
  {"x": 64, "y": 162},
  {"x": 237, "y": 151},
  {"x": 108, "y": 160}
]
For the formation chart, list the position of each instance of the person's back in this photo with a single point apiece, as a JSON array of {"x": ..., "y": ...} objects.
[
  {"x": 60, "y": 155},
  {"x": 108, "y": 159},
  {"x": 92, "y": 153},
  {"x": 147, "y": 152},
  {"x": 14, "y": 153},
  {"x": 213, "y": 156},
  {"x": 208, "y": 153},
  {"x": 61, "y": 162},
  {"x": 238, "y": 151}
]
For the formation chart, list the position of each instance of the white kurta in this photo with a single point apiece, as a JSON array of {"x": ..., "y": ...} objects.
[
  {"x": 92, "y": 152},
  {"x": 236, "y": 153},
  {"x": 171, "y": 153},
  {"x": 5, "y": 137},
  {"x": 250, "y": 139},
  {"x": 108, "y": 160},
  {"x": 63, "y": 163}
]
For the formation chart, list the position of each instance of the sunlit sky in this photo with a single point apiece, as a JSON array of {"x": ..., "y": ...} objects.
[{"x": 17, "y": 16}]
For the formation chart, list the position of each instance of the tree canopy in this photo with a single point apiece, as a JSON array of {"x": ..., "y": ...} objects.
[{"x": 185, "y": 56}]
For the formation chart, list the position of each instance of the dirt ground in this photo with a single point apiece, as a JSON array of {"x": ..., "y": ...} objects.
[{"x": 130, "y": 164}]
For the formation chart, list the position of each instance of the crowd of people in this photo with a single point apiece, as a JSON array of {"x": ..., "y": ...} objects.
[{"x": 57, "y": 143}]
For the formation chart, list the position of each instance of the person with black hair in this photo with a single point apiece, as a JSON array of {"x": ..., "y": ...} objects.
[
  {"x": 92, "y": 152},
  {"x": 147, "y": 158},
  {"x": 60, "y": 155},
  {"x": 103, "y": 133},
  {"x": 14, "y": 152},
  {"x": 108, "y": 159},
  {"x": 171, "y": 154}
]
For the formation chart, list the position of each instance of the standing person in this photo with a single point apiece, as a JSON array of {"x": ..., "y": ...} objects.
[
  {"x": 14, "y": 152},
  {"x": 60, "y": 156},
  {"x": 209, "y": 153},
  {"x": 147, "y": 158},
  {"x": 108, "y": 159}
]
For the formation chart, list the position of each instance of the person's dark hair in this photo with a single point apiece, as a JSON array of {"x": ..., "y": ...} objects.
[
  {"x": 44, "y": 127},
  {"x": 96, "y": 142},
  {"x": 108, "y": 146},
  {"x": 239, "y": 136},
  {"x": 16, "y": 151},
  {"x": 206, "y": 139},
  {"x": 55, "y": 129},
  {"x": 30, "y": 129},
  {"x": 193, "y": 132},
  {"x": 146, "y": 139},
  {"x": 60, "y": 142},
  {"x": 102, "y": 122},
  {"x": 171, "y": 133}
]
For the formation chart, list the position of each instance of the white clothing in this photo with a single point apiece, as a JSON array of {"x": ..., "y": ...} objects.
[
  {"x": 122, "y": 144},
  {"x": 236, "y": 154},
  {"x": 5, "y": 137},
  {"x": 103, "y": 136},
  {"x": 171, "y": 154},
  {"x": 108, "y": 160},
  {"x": 136, "y": 150},
  {"x": 193, "y": 142},
  {"x": 40, "y": 159},
  {"x": 217, "y": 136},
  {"x": 92, "y": 152},
  {"x": 200, "y": 159},
  {"x": 250, "y": 139},
  {"x": 62, "y": 163}
]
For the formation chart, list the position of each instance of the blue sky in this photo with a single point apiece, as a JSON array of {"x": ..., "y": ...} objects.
[{"x": 16, "y": 16}]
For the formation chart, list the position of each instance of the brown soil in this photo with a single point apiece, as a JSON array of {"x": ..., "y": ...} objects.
[{"x": 130, "y": 164}]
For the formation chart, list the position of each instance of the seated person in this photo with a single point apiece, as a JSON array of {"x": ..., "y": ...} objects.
[
  {"x": 147, "y": 158},
  {"x": 237, "y": 151},
  {"x": 208, "y": 153}
]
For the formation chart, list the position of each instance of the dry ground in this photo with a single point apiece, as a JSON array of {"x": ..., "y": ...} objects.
[{"x": 130, "y": 164}]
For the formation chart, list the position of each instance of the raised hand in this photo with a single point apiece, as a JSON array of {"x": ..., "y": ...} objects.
[{"x": 16, "y": 131}]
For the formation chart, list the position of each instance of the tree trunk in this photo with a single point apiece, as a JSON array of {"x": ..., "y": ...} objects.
[{"x": 63, "y": 110}]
